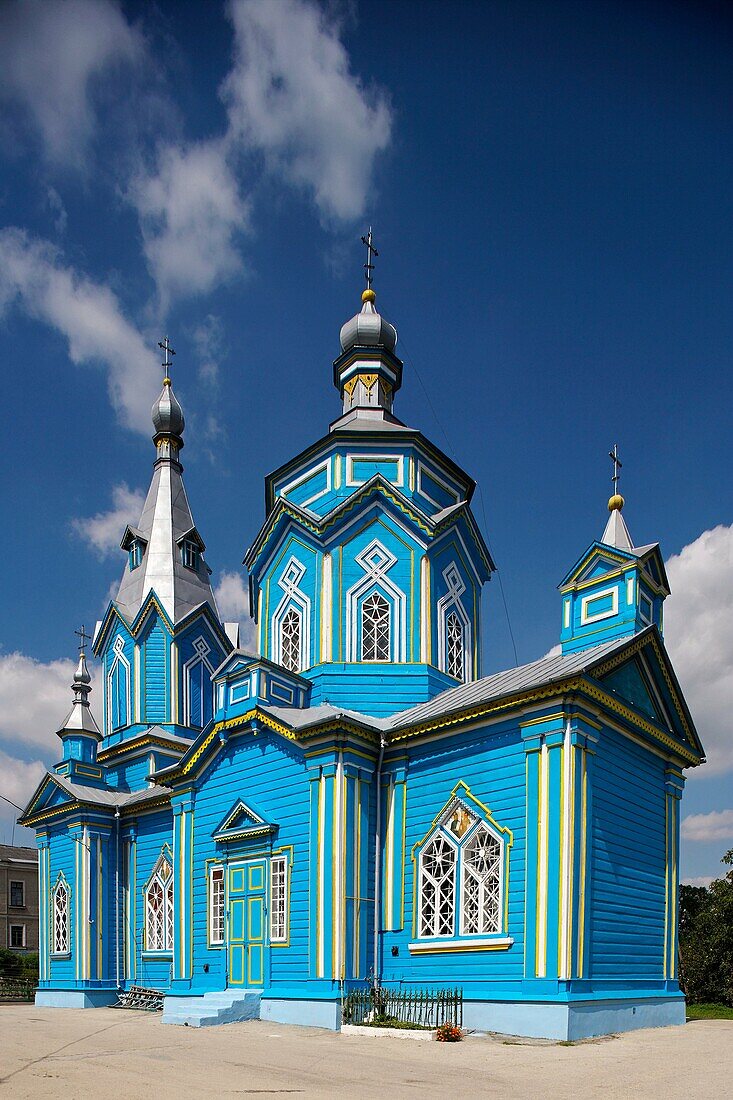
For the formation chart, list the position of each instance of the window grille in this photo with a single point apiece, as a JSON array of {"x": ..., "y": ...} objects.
[
  {"x": 290, "y": 640},
  {"x": 17, "y": 895},
  {"x": 17, "y": 935},
  {"x": 460, "y": 878},
  {"x": 136, "y": 554},
  {"x": 437, "y": 887},
  {"x": 190, "y": 553},
  {"x": 454, "y": 647},
  {"x": 481, "y": 901},
  {"x": 375, "y": 628},
  {"x": 60, "y": 909},
  {"x": 159, "y": 909},
  {"x": 216, "y": 906},
  {"x": 278, "y": 899}
]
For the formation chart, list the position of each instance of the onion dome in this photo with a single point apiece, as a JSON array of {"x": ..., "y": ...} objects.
[
  {"x": 368, "y": 328},
  {"x": 167, "y": 413}
]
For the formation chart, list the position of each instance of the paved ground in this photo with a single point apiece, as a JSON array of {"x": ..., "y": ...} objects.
[{"x": 111, "y": 1053}]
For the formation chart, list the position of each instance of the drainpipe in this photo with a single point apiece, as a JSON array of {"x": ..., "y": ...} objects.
[
  {"x": 378, "y": 860},
  {"x": 117, "y": 896}
]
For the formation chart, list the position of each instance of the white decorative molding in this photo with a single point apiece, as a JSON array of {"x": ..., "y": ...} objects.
[
  {"x": 450, "y": 489},
  {"x": 376, "y": 561},
  {"x": 374, "y": 459},
  {"x": 195, "y": 665},
  {"x": 118, "y": 648},
  {"x": 586, "y": 618},
  {"x": 312, "y": 471},
  {"x": 292, "y": 597},
  {"x": 451, "y": 602}
]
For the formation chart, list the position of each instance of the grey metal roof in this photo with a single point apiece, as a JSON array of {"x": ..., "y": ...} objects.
[
  {"x": 300, "y": 719},
  {"x": 553, "y": 667},
  {"x": 165, "y": 519},
  {"x": 616, "y": 532}
]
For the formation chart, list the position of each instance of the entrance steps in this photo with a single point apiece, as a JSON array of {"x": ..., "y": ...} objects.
[{"x": 226, "y": 1007}]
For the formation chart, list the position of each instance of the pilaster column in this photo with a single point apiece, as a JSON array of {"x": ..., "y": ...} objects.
[
  {"x": 183, "y": 810},
  {"x": 673, "y": 787},
  {"x": 44, "y": 907},
  {"x": 394, "y": 799}
]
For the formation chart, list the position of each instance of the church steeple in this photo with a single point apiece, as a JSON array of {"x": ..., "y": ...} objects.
[
  {"x": 79, "y": 731},
  {"x": 367, "y": 374},
  {"x": 165, "y": 551}
]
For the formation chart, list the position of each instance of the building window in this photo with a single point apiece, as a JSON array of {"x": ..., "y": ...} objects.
[
  {"x": 290, "y": 640},
  {"x": 136, "y": 554},
  {"x": 159, "y": 908},
  {"x": 278, "y": 899},
  {"x": 375, "y": 628},
  {"x": 190, "y": 553},
  {"x": 17, "y": 935},
  {"x": 216, "y": 905},
  {"x": 461, "y": 876},
  {"x": 454, "y": 647},
  {"x": 60, "y": 918},
  {"x": 17, "y": 895}
]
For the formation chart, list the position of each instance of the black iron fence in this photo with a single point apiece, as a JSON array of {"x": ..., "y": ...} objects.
[
  {"x": 17, "y": 989},
  {"x": 420, "y": 1007}
]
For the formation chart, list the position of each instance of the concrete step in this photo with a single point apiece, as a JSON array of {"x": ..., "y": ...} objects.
[{"x": 220, "y": 1007}]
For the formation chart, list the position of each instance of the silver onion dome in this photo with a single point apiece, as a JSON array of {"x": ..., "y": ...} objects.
[
  {"x": 368, "y": 328},
  {"x": 167, "y": 413}
]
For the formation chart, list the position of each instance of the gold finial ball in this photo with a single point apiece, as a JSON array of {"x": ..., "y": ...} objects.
[
  {"x": 166, "y": 381},
  {"x": 616, "y": 503},
  {"x": 369, "y": 296}
]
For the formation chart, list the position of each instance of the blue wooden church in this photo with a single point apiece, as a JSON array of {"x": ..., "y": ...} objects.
[{"x": 257, "y": 835}]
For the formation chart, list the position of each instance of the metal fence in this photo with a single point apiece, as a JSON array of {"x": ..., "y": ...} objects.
[
  {"x": 17, "y": 989},
  {"x": 421, "y": 1007}
]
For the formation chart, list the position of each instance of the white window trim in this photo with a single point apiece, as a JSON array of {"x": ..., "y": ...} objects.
[
  {"x": 376, "y": 576},
  {"x": 166, "y": 884},
  {"x": 213, "y": 941},
  {"x": 120, "y": 658},
  {"x": 351, "y": 481},
  {"x": 644, "y": 599},
  {"x": 451, "y": 601},
  {"x": 292, "y": 596},
  {"x": 450, "y": 489},
  {"x": 280, "y": 938},
  {"x": 585, "y": 618},
  {"x": 65, "y": 949},
  {"x": 16, "y": 946},
  {"x": 198, "y": 658},
  {"x": 309, "y": 473}
]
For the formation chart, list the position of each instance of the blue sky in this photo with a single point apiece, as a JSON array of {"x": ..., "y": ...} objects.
[{"x": 549, "y": 186}]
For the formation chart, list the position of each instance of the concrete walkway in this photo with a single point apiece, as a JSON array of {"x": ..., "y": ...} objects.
[{"x": 111, "y": 1054}]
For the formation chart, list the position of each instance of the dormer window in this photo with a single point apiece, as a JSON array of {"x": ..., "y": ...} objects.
[
  {"x": 190, "y": 553},
  {"x": 136, "y": 554}
]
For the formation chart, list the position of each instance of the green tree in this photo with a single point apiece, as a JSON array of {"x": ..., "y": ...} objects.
[{"x": 706, "y": 939}]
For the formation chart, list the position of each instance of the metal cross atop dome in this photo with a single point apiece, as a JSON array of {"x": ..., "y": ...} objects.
[
  {"x": 82, "y": 634},
  {"x": 165, "y": 345},
  {"x": 617, "y": 464},
  {"x": 371, "y": 252}
]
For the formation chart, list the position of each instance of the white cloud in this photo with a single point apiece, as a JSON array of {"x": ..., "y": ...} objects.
[
  {"x": 53, "y": 56},
  {"x": 717, "y": 825},
  {"x": 292, "y": 95},
  {"x": 104, "y": 530},
  {"x": 698, "y": 880},
  {"x": 232, "y": 599},
  {"x": 208, "y": 339},
  {"x": 87, "y": 314},
  {"x": 35, "y": 697},
  {"x": 698, "y": 633},
  {"x": 190, "y": 211},
  {"x": 20, "y": 778}
]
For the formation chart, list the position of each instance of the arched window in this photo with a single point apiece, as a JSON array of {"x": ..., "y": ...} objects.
[
  {"x": 159, "y": 908},
  {"x": 375, "y": 628},
  {"x": 290, "y": 634},
  {"x": 454, "y": 645},
  {"x": 60, "y": 916},
  {"x": 461, "y": 873}
]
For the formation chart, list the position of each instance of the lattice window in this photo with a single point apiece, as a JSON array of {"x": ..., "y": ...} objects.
[
  {"x": 437, "y": 887},
  {"x": 278, "y": 899},
  {"x": 375, "y": 628},
  {"x": 481, "y": 900},
  {"x": 216, "y": 905},
  {"x": 159, "y": 908},
  {"x": 60, "y": 918},
  {"x": 290, "y": 630},
  {"x": 454, "y": 646}
]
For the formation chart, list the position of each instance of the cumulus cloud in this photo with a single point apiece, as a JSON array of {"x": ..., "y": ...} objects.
[
  {"x": 208, "y": 339},
  {"x": 35, "y": 697},
  {"x": 699, "y": 636},
  {"x": 291, "y": 94},
  {"x": 232, "y": 599},
  {"x": 104, "y": 530},
  {"x": 717, "y": 825},
  {"x": 20, "y": 778},
  {"x": 190, "y": 211},
  {"x": 86, "y": 314},
  {"x": 698, "y": 880},
  {"x": 53, "y": 56}
]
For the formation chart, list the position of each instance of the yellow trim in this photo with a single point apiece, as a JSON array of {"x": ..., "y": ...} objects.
[
  {"x": 583, "y": 843},
  {"x": 458, "y": 946},
  {"x": 666, "y": 885}
]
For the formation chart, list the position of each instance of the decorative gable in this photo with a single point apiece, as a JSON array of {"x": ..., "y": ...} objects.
[{"x": 243, "y": 823}]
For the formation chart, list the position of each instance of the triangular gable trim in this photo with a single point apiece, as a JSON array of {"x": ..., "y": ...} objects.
[
  {"x": 112, "y": 612},
  {"x": 243, "y": 822},
  {"x": 600, "y": 549},
  {"x": 461, "y": 797}
]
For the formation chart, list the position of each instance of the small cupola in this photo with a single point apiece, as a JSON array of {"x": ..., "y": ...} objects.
[
  {"x": 615, "y": 589},
  {"x": 368, "y": 373},
  {"x": 80, "y": 734}
]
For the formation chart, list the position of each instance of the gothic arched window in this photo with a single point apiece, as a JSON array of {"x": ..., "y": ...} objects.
[
  {"x": 60, "y": 916},
  {"x": 159, "y": 908},
  {"x": 375, "y": 628},
  {"x": 290, "y": 634},
  {"x": 461, "y": 871},
  {"x": 454, "y": 646}
]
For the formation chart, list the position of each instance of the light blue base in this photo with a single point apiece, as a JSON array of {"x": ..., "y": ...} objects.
[
  {"x": 75, "y": 998},
  {"x": 225, "y": 1007},
  {"x": 326, "y": 1014},
  {"x": 577, "y": 1020}
]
